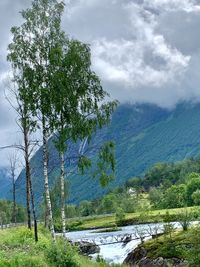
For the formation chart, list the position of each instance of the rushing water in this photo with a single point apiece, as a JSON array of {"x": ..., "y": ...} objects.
[{"x": 111, "y": 247}]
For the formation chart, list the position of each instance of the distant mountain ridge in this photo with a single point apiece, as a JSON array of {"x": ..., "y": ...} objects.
[{"x": 144, "y": 135}]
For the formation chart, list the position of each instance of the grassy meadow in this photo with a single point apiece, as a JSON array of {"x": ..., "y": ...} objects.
[
  {"x": 154, "y": 216},
  {"x": 18, "y": 249}
]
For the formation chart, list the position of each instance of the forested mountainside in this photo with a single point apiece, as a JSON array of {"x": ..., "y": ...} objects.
[
  {"x": 144, "y": 135},
  {"x": 5, "y": 182}
]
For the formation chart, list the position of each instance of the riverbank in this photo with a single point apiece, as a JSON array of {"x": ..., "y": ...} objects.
[
  {"x": 109, "y": 221},
  {"x": 180, "y": 248},
  {"x": 18, "y": 249}
]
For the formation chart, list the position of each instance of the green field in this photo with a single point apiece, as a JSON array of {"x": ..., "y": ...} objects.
[{"x": 130, "y": 218}]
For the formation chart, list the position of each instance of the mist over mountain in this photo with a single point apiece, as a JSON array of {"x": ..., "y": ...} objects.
[
  {"x": 143, "y": 51},
  {"x": 144, "y": 135}
]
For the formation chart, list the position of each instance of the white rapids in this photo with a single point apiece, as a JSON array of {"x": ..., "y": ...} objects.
[{"x": 111, "y": 249}]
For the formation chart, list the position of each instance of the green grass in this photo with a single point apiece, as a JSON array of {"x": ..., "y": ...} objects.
[
  {"x": 183, "y": 245},
  {"x": 163, "y": 245},
  {"x": 18, "y": 249},
  {"x": 154, "y": 216}
]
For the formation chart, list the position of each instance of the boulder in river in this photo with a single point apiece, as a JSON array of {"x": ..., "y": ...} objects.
[{"x": 87, "y": 248}]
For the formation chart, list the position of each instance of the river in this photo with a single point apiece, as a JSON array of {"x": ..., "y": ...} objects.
[{"x": 112, "y": 250}]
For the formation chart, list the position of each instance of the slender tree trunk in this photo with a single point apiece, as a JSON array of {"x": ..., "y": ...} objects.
[
  {"x": 33, "y": 209},
  {"x": 14, "y": 198},
  {"x": 26, "y": 144},
  {"x": 45, "y": 214},
  {"x": 46, "y": 182},
  {"x": 62, "y": 194}
]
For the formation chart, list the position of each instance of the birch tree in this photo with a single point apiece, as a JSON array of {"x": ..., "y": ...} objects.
[
  {"x": 19, "y": 99},
  {"x": 37, "y": 36},
  {"x": 80, "y": 108},
  {"x": 23, "y": 96},
  {"x": 63, "y": 91}
]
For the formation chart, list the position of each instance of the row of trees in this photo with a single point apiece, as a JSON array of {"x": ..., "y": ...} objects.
[
  {"x": 165, "y": 174},
  {"x": 58, "y": 94},
  {"x": 7, "y": 215},
  {"x": 177, "y": 196}
]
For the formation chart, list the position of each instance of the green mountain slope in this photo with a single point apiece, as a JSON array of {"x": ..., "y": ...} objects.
[
  {"x": 144, "y": 135},
  {"x": 5, "y": 183}
]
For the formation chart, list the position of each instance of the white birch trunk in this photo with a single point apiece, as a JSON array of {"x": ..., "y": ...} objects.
[
  {"x": 46, "y": 184},
  {"x": 26, "y": 157},
  {"x": 62, "y": 193}
]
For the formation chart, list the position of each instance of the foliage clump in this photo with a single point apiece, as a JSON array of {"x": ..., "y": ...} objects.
[
  {"x": 62, "y": 254},
  {"x": 18, "y": 249}
]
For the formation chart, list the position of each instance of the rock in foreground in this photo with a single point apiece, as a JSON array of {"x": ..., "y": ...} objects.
[{"x": 138, "y": 258}]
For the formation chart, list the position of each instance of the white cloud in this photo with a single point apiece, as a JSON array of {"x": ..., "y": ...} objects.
[
  {"x": 125, "y": 61},
  {"x": 143, "y": 50},
  {"x": 172, "y": 5},
  {"x": 134, "y": 50},
  {"x": 145, "y": 60}
]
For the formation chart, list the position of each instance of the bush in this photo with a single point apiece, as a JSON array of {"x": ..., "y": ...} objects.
[
  {"x": 22, "y": 260},
  {"x": 170, "y": 250},
  {"x": 62, "y": 254},
  {"x": 17, "y": 236},
  {"x": 196, "y": 197},
  {"x": 193, "y": 253},
  {"x": 70, "y": 225},
  {"x": 120, "y": 216},
  {"x": 185, "y": 219}
]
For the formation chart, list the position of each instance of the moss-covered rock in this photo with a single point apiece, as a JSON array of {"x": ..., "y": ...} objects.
[{"x": 138, "y": 258}]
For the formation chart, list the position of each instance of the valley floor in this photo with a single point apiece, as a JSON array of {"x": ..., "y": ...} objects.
[
  {"x": 18, "y": 249},
  {"x": 109, "y": 221}
]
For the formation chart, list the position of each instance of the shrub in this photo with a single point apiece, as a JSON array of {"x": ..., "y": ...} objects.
[
  {"x": 170, "y": 250},
  {"x": 62, "y": 254},
  {"x": 22, "y": 260},
  {"x": 120, "y": 216},
  {"x": 196, "y": 197},
  {"x": 194, "y": 251},
  {"x": 185, "y": 219},
  {"x": 70, "y": 225}
]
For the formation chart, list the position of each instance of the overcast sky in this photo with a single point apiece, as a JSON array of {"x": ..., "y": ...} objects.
[{"x": 143, "y": 50}]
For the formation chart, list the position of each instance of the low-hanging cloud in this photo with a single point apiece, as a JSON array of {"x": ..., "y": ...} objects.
[{"x": 143, "y": 50}]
